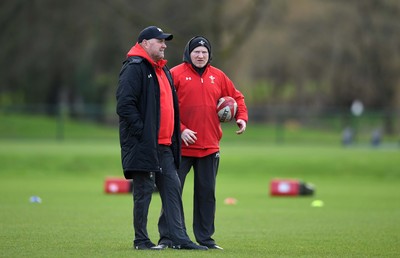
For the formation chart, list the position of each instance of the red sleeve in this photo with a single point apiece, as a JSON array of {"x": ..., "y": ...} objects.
[
  {"x": 230, "y": 90},
  {"x": 175, "y": 78}
]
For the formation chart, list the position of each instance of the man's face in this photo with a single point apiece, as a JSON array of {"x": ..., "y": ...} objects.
[
  {"x": 199, "y": 56},
  {"x": 155, "y": 48}
]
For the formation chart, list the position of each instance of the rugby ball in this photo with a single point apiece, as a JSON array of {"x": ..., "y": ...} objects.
[{"x": 226, "y": 109}]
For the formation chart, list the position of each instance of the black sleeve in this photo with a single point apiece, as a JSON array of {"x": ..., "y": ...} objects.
[{"x": 129, "y": 97}]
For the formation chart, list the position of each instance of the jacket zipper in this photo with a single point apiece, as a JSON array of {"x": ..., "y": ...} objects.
[{"x": 202, "y": 84}]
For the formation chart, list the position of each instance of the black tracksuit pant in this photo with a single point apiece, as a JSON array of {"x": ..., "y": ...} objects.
[
  {"x": 205, "y": 173},
  {"x": 169, "y": 186}
]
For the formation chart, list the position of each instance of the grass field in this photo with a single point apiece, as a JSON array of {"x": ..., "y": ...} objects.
[{"x": 359, "y": 186}]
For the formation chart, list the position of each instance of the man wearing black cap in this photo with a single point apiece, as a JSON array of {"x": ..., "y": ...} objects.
[
  {"x": 149, "y": 130},
  {"x": 199, "y": 85}
]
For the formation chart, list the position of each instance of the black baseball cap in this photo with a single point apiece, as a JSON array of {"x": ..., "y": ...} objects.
[{"x": 153, "y": 32}]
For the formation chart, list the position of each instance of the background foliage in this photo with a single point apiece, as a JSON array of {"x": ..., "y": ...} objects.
[{"x": 309, "y": 55}]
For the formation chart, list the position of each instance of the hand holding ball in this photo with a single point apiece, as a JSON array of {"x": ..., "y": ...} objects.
[{"x": 226, "y": 109}]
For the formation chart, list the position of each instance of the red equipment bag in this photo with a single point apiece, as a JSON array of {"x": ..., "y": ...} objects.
[{"x": 114, "y": 185}]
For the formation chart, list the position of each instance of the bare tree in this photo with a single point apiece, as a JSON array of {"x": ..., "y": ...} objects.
[{"x": 306, "y": 54}]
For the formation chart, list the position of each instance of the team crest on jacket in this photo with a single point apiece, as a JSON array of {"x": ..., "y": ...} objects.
[{"x": 212, "y": 78}]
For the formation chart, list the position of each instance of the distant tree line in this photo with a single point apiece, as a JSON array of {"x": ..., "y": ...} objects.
[{"x": 310, "y": 54}]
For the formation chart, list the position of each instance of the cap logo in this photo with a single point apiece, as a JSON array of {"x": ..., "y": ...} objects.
[
  {"x": 160, "y": 30},
  {"x": 202, "y": 42}
]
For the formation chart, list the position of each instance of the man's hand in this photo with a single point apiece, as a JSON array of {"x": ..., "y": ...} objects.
[
  {"x": 188, "y": 137},
  {"x": 242, "y": 126}
]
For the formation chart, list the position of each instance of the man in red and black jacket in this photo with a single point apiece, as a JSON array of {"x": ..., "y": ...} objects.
[
  {"x": 149, "y": 124},
  {"x": 199, "y": 86}
]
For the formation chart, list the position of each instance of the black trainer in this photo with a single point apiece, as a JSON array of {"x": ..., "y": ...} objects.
[
  {"x": 144, "y": 246},
  {"x": 214, "y": 246},
  {"x": 190, "y": 246},
  {"x": 160, "y": 247}
]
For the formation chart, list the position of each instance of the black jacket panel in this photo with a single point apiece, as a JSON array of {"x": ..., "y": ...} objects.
[{"x": 138, "y": 108}]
